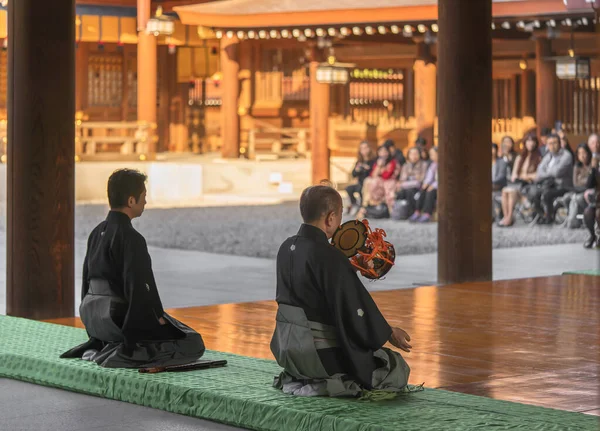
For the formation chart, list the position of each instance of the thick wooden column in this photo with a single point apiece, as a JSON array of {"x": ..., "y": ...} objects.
[
  {"x": 425, "y": 82},
  {"x": 146, "y": 71},
  {"x": 465, "y": 190},
  {"x": 41, "y": 159},
  {"x": 319, "y": 125},
  {"x": 528, "y": 93},
  {"x": 545, "y": 91},
  {"x": 230, "y": 119}
]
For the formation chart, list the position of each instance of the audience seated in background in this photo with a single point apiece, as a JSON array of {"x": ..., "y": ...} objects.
[
  {"x": 554, "y": 178},
  {"x": 362, "y": 169},
  {"x": 411, "y": 178},
  {"x": 379, "y": 187},
  {"x": 426, "y": 198},
  {"x": 523, "y": 174},
  {"x": 574, "y": 200}
]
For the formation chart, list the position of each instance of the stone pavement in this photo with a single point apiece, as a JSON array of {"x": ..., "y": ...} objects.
[{"x": 193, "y": 278}]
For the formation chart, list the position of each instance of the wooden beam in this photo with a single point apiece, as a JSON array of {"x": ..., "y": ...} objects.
[
  {"x": 465, "y": 101},
  {"x": 41, "y": 159}
]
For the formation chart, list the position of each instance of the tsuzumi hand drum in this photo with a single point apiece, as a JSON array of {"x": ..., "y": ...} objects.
[{"x": 367, "y": 250}]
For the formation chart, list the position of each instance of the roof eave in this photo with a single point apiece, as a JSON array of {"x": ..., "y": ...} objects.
[{"x": 190, "y": 15}]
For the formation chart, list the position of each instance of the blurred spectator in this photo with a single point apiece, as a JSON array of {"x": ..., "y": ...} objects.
[
  {"x": 565, "y": 145},
  {"x": 380, "y": 186},
  {"x": 395, "y": 152},
  {"x": 362, "y": 169},
  {"x": 508, "y": 153},
  {"x": 411, "y": 178},
  {"x": 554, "y": 178},
  {"x": 522, "y": 176},
  {"x": 594, "y": 145},
  {"x": 575, "y": 200},
  {"x": 499, "y": 170},
  {"x": 426, "y": 198},
  {"x": 544, "y": 133},
  {"x": 591, "y": 215}
]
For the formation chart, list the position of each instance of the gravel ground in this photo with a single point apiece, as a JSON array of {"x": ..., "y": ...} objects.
[{"x": 259, "y": 230}]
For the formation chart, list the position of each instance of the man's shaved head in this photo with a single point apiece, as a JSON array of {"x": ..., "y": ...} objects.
[{"x": 317, "y": 202}]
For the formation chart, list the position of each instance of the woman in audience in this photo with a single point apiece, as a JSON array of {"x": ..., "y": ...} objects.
[
  {"x": 425, "y": 156},
  {"x": 427, "y": 197},
  {"x": 524, "y": 173},
  {"x": 411, "y": 178},
  {"x": 379, "y": 187},
  {"x": 582, "y": 170},
  {"x": 565, "y": 145},
  {"x": 591, "y": 215},
  {"x": 362, "y": 169},
  {"x": 507, "y": 149}
]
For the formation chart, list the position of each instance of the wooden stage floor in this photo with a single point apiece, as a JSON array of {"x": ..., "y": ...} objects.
[{"x": 533, "y": 341}]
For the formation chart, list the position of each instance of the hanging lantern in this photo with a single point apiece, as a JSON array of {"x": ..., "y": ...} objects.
[{"x": 160, "y": 24}]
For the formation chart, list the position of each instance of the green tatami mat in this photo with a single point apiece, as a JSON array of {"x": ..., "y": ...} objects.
[
  {"x": 241, "y": 393},
  {"x": 595, "y": 272}
]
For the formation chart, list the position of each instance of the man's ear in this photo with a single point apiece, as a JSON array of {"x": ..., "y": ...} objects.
[{"x": 131, "y": 201}]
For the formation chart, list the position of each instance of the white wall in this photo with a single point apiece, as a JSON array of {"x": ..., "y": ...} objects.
[{"x": 177, "y": 182}]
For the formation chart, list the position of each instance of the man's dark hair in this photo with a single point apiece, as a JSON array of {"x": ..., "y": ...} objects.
[
  {"x": 421, "y": 142},
  {"x": 553, "y": 136},
  {"x": 546, "y": 131},
  {"x": 495, "y": 146},
  {"x": 124, "y": 183},
  {"x": 317, "y": 202}
]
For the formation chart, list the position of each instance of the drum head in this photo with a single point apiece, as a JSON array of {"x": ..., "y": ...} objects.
[
  {"x": 350, "y": 237},
  {"x": 380, "y": 266}
]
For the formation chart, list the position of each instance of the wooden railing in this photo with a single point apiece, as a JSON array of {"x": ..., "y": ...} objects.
[
  {"x": 268, "y": 86},
  {"x": 275, "y": 143},
  {"x": 578, "y": 105},
  {"x": 296, "y": 87},
  {"x": 118, "y": 137}
]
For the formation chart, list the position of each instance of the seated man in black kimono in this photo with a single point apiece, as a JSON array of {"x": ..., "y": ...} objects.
[
  {"x": 120, "y": 308},
  {"x": 329, "y": 333}
]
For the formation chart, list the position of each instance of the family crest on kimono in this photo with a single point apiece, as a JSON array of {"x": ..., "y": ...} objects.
[
  {"x": 329, "y": 333},
  {"x": 120, "y": 305}
]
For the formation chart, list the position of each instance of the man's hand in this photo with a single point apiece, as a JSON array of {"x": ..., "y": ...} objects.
[
  {"x": 162, "y": 321},
  {"x": 400, "y": 339}
]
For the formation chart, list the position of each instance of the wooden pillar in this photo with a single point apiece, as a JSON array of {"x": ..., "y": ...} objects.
[
  {"x": 81, "y": 76},
  {"x": 164, "y": 97},
  {"x": 425, "y": 77},
  {"x": 514, "y": 96},
  {"x": 41, "y": 159},
  {"x": 230, "y": 120},
  {"x": 465, "y": 190},
  {"x": 528, "y": 93},
  {"x": 408, "y": 93},
  {"x": 319, "y": 124},
  {"x": 146, "y": 71},
  {"x": 545, "y": 93}
]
